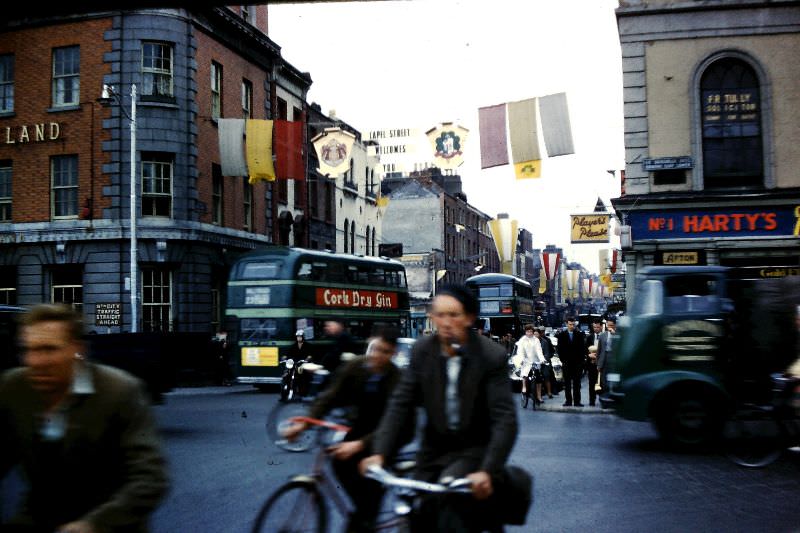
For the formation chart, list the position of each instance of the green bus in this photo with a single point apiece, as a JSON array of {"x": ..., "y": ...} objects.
[
  {"x": 273, "y": 293},
  {"x": 506, "y": 302}
]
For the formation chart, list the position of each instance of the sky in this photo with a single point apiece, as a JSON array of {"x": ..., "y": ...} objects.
[{"x": 417, "y": 63}]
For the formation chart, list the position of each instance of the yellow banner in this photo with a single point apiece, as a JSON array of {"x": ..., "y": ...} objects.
[
  {"x": 259, "y": 150},
  {"x": 542, "y": 281},
  {"x": 589, "y": 228},
  {"x": 528, "y": 169},
  {"x": 504, "y": 232}
]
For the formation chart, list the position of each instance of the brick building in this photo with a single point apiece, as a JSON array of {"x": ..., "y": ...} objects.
[{"x": 65, "y": 160}]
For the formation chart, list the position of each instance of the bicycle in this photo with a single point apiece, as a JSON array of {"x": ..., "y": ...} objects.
[
  {"x": 756, "y": 435},
  {"x": 298, "y": 506},
  {"x": 293, "y": 405}
]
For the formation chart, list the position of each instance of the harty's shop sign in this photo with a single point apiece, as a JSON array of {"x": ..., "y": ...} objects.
[
  {"x": 766, "y": 221},
  {"x": 356, "y": 298}
]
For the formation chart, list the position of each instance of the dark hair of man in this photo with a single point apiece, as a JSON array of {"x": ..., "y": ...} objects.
[
  {"x": 464, "y": 296},
  {"x": 55, "y": 313},
  {"x": 529, "y": 327},
  {"x": 388, "y": 334},
  {"x": 570, "y": 319},
  {"x": 612, "y": 320},
  {"x": 597, "y": 321}
]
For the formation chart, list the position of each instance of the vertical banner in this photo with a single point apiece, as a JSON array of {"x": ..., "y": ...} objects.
[
  {"x": 550, "y": 261},
  {"x": 231, "y": 147},
  {"x": 289, "y": 149},
  {"x": 524, "y": 136},
  {"x": 603, "y": 257},
  {"x": 259, "y": 150},
  {"x": 587, "y": 287},
  {"x": 542, "y": 281},
  {"x": 447, "y": 141},
  {"x": 614, "y": 259},
  {"x": 504, "y": 232},
  {"x": 556, "y": 128},
  {"x": 334, "y": 146},
  {"x": 492, "y": 131}
]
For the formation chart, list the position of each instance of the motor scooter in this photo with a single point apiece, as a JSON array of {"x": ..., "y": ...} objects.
[{"x": 298, "y": 378}]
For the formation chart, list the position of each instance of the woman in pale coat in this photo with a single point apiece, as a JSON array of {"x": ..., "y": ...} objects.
[{"x": 529, "y": 350}]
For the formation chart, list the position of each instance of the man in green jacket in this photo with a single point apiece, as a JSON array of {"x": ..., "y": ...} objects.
[{"x": 82, "y": 433}]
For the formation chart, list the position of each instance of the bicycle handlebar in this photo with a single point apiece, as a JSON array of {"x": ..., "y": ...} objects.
[
  {"x": 321, "y": 423},
  {"x": 457, "y": 486}
]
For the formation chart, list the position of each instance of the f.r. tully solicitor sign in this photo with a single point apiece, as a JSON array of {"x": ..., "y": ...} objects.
[
  {"x": 356, "y": 298},
  {"x": 589, "y": 228}
]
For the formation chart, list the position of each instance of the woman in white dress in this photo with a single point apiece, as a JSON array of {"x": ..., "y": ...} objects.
[{"x": 529, "y": 350}]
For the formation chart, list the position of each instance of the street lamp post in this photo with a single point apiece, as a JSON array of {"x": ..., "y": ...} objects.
[{"x": 108, "y": 93}]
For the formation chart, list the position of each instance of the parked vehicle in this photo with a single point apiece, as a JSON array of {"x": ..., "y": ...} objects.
[{"x": 698, "y": 342}]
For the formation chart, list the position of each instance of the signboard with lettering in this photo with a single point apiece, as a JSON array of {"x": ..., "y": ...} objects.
[
  {"x": 764, "y": 221},
  {"x": 364, "y": 299},
  {"x": 680, "y": 258},
  {"x": 726, "y": 108},
  {"x": 107, "y": 314},
  {"x": 589, "y": 228},
  {"x": 667, "y": 163}
]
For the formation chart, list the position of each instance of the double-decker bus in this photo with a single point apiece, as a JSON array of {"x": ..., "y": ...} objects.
[
  {"x": 506, "y": 302},
  {"x": 274, "y": 292}
]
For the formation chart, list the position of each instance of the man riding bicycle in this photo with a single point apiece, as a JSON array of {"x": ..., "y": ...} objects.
[
  {"x": 460, "y": 379},
  {"x": 363, "y": 386}
]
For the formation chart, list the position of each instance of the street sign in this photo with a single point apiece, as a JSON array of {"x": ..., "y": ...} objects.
[
  {"x": 107, "y": 314},
  {"x": 667, "y": 163}
]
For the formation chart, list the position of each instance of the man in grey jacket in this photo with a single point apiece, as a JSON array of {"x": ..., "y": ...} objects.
[{"x": 461, "y": 381}]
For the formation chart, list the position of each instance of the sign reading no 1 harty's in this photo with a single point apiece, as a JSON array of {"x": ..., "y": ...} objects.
[{"x": 107, "y": 314}]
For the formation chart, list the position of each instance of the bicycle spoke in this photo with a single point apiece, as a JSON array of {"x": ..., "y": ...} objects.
[{"x": 294, "y": 508}]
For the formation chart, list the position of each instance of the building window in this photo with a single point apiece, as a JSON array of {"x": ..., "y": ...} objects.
[
  {"x": 731, "y": 125},
  {"x": 6, "y": 83},
  {"x": 249, "y": 14},
  {"x": 66, "y": 76},
  {"x": 216, "y": 195},
  {"x": 157, "y": 70},
  {"x": 67, "y": 287},
  {"x": 313, "y": 198},
  {"x": 8, "y": 292},
  {"x": 366, "y": 242},
  {"x": 216, "y": 90},
  {"x": 156, "y": 185},
  {"x": 282, "y": 111},
  {"x": 156, "y": 299},
  {"x": 346, "y": 235},
  {"x": 64, "y": 180},
  {"x": 373, "y": 242},
  {"x": 5, "y": 190},
  {"x": 247, "y": 99},
  {"x": 247, "y": 204},
  {"x": 297, "y": 114},
  {"x": 353, "y": 237}
]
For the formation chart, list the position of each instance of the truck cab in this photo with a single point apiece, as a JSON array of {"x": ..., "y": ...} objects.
[{"x": 686, "y": 351}]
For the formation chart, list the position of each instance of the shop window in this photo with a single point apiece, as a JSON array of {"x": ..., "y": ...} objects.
[{"x": 730, "y": 96}]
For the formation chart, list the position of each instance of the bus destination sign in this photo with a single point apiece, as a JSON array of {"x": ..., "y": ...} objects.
[{"x": 365, "y": 299}]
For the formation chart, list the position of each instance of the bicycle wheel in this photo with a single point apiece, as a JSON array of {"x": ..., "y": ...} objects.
[
  {"x": 277, "y": 420},
  {"x": 296, "y": 507},
  {"x": 751, "y": 441}
]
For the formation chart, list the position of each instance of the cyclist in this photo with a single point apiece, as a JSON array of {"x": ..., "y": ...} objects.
[
  {"x": 363, "y": 385},
  {"x": 461, "y": 381}
]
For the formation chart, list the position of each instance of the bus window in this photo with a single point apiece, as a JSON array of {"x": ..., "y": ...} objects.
[
  {"x": 691, "y": 294},
  {"x": 258, "y": 329},
  {"x": 315, "y": 271},
  {"x": 490, "y": 291},
  {"x": 377, "y": 277},
  {"x": 262, "y": 270},
  {"x": 507, "y": 289}
]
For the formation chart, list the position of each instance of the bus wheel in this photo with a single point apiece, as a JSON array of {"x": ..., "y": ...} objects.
[{"x": 688, "y": 418}]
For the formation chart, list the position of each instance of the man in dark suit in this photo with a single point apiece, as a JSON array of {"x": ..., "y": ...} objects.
[
  {"x": 592, "y": 347},
  {"x": 460, "y": 379},
  {"x": 83, "y": 434},
  {"x": 572, "y": 352},
  {"x": 604, "y": 351},
  {"x": 362, "y": 385}
]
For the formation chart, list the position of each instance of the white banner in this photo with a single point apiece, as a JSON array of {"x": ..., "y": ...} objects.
[{"x": 334, "y": 148}]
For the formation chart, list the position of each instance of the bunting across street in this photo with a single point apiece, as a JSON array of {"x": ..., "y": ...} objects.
[
  {"x": 447, "y": 141},
  {"x": 550, "y": 261},
  {"x": 246, "y": 148}
]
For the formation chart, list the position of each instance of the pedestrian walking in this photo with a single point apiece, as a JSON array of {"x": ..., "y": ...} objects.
[
  {"x": 572, "y": 352},
  {"x": 592, "y": 348}
]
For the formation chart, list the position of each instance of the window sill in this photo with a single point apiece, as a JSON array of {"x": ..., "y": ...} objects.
[
  {"x": 8, "y": 114},
  {"x": 58, "y": 109},
  {"x": 166, "y": 104}
]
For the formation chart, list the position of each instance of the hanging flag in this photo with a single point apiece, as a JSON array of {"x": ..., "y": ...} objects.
[
  {"x": 289, "y": 150},
  {"x": 603, "y": 257},
  {"x": 492, "y": 131},
  {"x": 572, "y": 278},
  {"x": 528, "y": 169},
  {"x": 587, "y": 287},
  {"x": 447, "y": 141},
  {"x": 555, "y": 125},
  {"x": 231, "y": 147},
  {"x": 259, "y": 150},
  {"x": 504, "y": 232},
  {"x": 522, "y": 124},
  {"x": 614, "y": 259},
  {"x": 550, "y": 262},
  {"x": 334, "y": 147},
  {"x": 542, "y": 281}
]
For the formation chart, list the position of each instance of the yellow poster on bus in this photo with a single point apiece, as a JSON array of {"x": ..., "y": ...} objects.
[{"x": 260, "y": 356}]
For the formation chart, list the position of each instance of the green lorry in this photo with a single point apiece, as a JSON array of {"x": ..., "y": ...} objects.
[{"x": 696, "y": 342}]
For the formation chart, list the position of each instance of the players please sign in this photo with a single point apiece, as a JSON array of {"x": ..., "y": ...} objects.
[{"x": 356, "y": 298}]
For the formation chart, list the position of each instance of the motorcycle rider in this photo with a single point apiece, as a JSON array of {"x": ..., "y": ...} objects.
[{"x": 301, "y": 351}]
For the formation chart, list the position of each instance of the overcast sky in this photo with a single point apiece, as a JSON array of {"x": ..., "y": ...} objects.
[{"x": 416, "y": 63}]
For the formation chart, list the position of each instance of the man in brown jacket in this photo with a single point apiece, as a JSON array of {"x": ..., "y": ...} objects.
[{"x": 82, "y": 433}]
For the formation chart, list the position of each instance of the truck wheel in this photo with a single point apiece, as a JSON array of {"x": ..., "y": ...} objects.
[{"x": 688, "y": 419}]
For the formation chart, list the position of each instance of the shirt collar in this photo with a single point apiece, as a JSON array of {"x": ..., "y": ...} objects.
[{"x": 82, "y": 381}]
